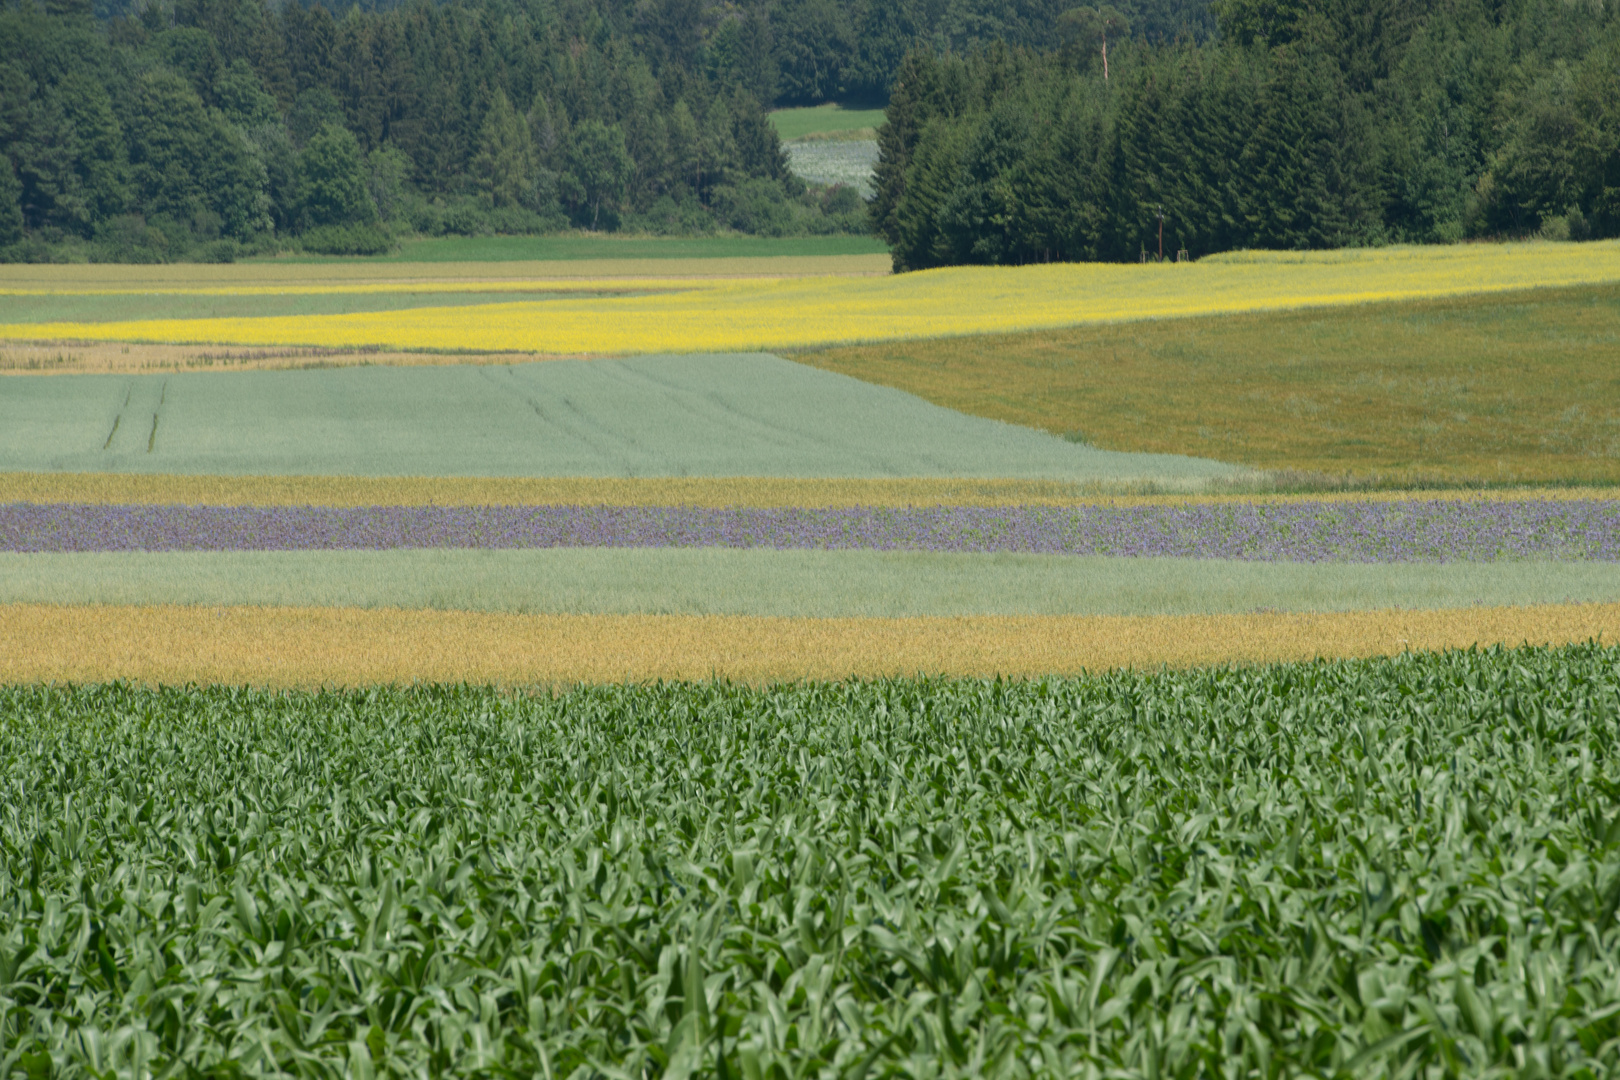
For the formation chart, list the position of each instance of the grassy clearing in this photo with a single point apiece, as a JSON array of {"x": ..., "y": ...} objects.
[
  {"x": 829, "y": 119},
  {"x": 576, "y": 247},
  {"x": 649, "y": 416},
  {"x": 746, "y": 315},
  {"x": 1517, "y": 388},
  {"x": 814, "y": 584},
  {"x": 1354, "y": 869}
]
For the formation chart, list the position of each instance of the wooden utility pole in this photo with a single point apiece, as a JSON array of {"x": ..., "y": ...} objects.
[{"x": 1161, "y": 232}]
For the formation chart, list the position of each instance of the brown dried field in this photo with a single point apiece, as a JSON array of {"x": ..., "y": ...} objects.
[
  {"x": 158, "y": 489},
  {"x": 353, "y": 647}
]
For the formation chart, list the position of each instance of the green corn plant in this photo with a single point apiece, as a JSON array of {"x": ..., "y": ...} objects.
[{"x": 1389, "y": 868}]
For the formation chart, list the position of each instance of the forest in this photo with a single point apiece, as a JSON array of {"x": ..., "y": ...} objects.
[
  {"x": 213, "y": 128},
  {"x": 1302, "y": 124},
  {"x": 1017, "y": 130}
]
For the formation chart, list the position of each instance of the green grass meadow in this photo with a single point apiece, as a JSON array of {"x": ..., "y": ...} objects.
[
  {"x": 1518, "y": 387},
  {"x": 1390, "y": 868},
  {"x": 823, "y": 584},
  {"x": 120, "y": 307},
  {"x": 722, "y": 415},
  {"x": 823, "y": 120}
]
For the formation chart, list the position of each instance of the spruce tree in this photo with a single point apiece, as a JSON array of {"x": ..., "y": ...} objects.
[
  {"x": 11, "y": 217},
  {"x": 910, "y": 107},
  {"x": 504, "y": 167}
]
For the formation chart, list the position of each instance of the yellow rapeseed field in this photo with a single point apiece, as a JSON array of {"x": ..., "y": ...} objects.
[
  {"x": 720, "y": 316},
  {"x": 292, "y": 646}
]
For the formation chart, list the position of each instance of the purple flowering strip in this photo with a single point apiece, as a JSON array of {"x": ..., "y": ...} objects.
[{"x": 1360, "y": 531}]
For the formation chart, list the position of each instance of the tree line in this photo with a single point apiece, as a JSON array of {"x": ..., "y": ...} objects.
[
  {"x": 1301, "y": 124},
  {"x": 204, "y": 128},
  {"x": 151, "y": 129}
]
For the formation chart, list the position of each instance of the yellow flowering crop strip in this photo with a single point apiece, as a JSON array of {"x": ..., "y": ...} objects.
[
  {"x": 761, "y": 491},
  {"x": 293, "y": 646},
  {"x": 777, "y": 314}
]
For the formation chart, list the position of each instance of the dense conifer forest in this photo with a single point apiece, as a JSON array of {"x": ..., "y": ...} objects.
[
  {"x": 1302, "y": 124},
  {"x": 1019, "y": 130}
]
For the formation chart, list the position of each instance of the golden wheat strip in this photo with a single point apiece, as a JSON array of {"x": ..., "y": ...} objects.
[
  {"x": 170, "y": 489},
  {"x": 131, "y": 488},
  {"x": 352, "y": 646}
]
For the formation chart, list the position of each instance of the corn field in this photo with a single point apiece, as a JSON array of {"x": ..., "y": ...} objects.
[{"x": 1403, "y": 867}]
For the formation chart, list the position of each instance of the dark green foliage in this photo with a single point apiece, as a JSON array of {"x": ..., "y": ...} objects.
[
  {"x": 757, "y": 207},
  {"x": 1266, "y": 22},
  {"x": 1308, "y": 126},
  {"x": 505, "y": 166},
  {"x": 1559, "y": 158},
  {"x": 333, "y": 180},
  {"x": 1087, "y": 33},
  {"x": 1392, "y": 867},
  {"x": 357, "y": 238},
  {"x": 1301, "y": 123},
  {"x": 739, "y": 56},
  {"x": 814, "y": 38},
  {"x": 315, "y": 108},
  {"x": 601, "y": 167},
  {"x": 11, "y": 219},
  {"x": 188, "y": 166},
  {"x": 243, "y": 98},
  {"x": 210, "y": 118},
  {"x": 128, "y": 238}
]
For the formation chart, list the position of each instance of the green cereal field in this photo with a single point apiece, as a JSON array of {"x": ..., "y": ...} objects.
[{"x": 730, "y": 415}]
